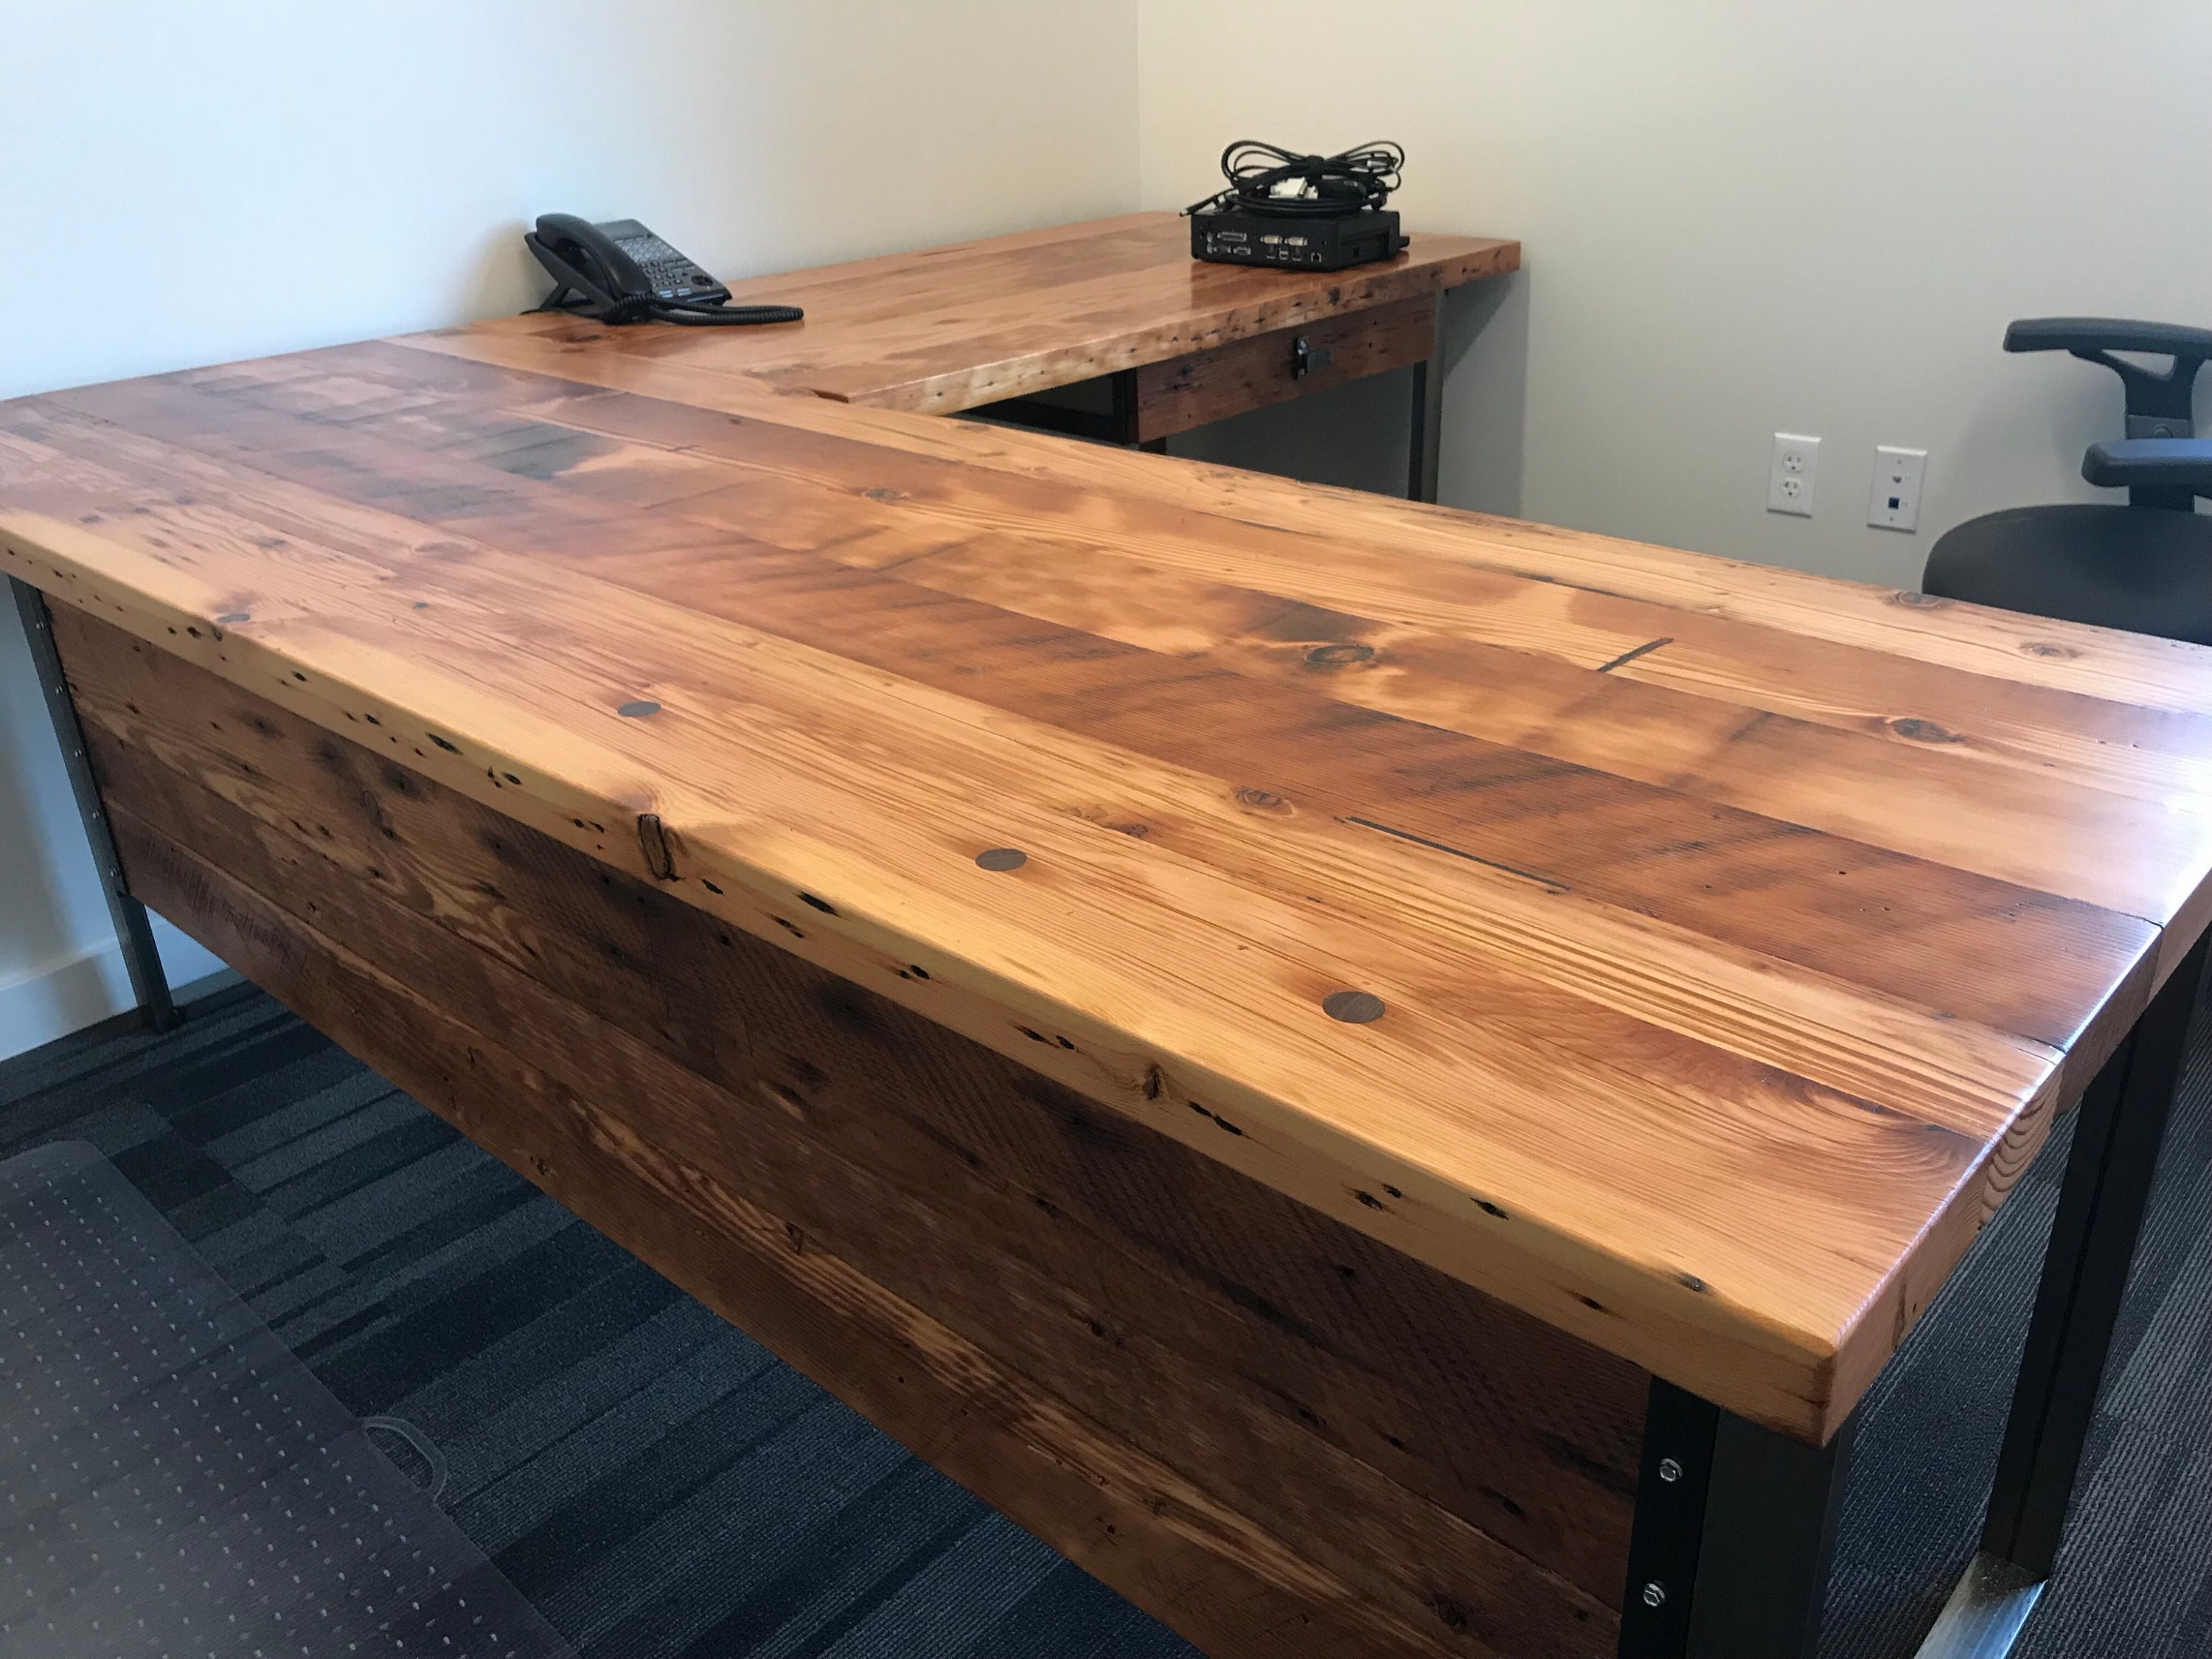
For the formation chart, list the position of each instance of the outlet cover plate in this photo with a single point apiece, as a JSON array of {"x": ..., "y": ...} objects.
[{"x": 1792, "y": 471}]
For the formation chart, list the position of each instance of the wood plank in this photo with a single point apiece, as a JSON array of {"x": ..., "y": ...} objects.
[
  {"x": 1701, "y": 880},
  {"x": 1348, "y": 1340},
  {"x": 785, "y": 1153},
  {"x": 2095, "y": 727},
  {"x": 1182, "y": 393},
  {"x": 2133, "y": 671},
  {"x": 1898, "y": 783},
  {"x": 950, "y": 328},
  {"x": 1993, "y": 686},
  {"x": 1125, "y": 1519},
  {"x": 1793, "y": 1360}
]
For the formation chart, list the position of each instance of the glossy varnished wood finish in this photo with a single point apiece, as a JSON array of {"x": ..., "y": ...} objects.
[
  {"x": 1728, "y": 984},
  {"x": 1279, "y": 1434},
  {"x": 951, "y": 328}
]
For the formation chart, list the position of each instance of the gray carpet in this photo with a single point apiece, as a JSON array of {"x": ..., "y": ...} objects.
[{"x": 662, "y": 1488}]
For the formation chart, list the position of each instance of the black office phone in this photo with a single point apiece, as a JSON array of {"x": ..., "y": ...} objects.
[{"x": 620, "y": 272}]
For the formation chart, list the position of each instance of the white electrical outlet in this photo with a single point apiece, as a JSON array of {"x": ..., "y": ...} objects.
[
  {"x": 1791, "y": 472},
  {"x": 1895, "y": 502}
]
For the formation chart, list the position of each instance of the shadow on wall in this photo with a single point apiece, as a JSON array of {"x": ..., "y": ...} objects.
[
  {"x": 1356, "y": 435},
  {"x": 501, "y": 276}
]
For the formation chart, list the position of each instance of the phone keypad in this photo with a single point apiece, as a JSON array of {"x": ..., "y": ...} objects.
[{"x": 671, "y": 275}]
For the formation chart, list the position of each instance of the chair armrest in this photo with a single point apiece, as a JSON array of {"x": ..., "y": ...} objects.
[
  {"x": 2087, "y": 336},
  {"x": 2159, "y": 402},
  {"x": 2172, "y": 471}
]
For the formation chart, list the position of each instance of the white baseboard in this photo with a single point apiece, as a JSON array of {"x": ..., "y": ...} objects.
[{"x": 81, "y": 990}]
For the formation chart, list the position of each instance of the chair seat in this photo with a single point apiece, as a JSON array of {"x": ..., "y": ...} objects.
[{"x": 2142, "y": 568}]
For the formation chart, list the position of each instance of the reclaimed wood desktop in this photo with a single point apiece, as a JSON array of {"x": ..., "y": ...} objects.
[
  {"x": 1107, "y": 330},
  {"x": 1374, "y": 1075}
]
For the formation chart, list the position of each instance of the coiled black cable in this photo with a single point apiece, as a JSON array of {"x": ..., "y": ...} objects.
[{"x": 1269, "y": 180}]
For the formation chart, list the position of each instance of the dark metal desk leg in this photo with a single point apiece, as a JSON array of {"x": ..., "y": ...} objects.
[
  {"x": 1428, "y": 415},
  {"x": 141, "y": 957},
  {"x": 1123, "y": 422},
  {"x": 2122, "y": 1125},
  {"x": 1735, "y": 1527}
]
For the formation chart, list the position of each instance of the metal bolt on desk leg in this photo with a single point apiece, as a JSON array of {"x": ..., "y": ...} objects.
[
  {"x": 1734, "y": 1525},
  {"x": 1669, "y": 1525}
]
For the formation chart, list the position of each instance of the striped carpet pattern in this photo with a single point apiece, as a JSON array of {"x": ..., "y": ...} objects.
[
  {"x": 652, "y": 1480},
  {"x": 660, "y": 1488}
]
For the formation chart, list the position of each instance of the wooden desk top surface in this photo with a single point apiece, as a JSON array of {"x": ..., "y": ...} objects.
[
  {"x": 948, "y": 328},
  {"x": 1737, "y": 933}
]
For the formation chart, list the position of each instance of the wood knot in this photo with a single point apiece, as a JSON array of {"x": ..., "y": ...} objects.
[
  {"x": 884, "y": 492},
  {"x": 1917, "y": 600},
  {"x": 1452, "y": 1612},
  {"x": 2048, "y": 648},
  {"x": 1336, "y": 656},
  {"x": 1263, "y": 800},
  {"x": 1922, "y": 731}
]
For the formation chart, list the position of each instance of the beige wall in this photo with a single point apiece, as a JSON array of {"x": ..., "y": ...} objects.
[
  {"x": 1738, "y": 218},
  {"x": 194, "y": 183}
]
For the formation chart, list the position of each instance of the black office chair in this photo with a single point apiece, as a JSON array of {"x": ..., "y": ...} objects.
[{"x": 2146, "y": 567}]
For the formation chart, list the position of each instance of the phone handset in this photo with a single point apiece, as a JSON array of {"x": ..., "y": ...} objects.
[{"x": 621, "y": 272}]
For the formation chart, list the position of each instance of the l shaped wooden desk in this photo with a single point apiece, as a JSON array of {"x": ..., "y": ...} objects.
[{"x": 1374, "y": 1075}]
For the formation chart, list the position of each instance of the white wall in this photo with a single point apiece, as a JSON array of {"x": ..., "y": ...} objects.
[
  {"x": 188, "y": 185},
  {"x": 1739, "y": 216}
]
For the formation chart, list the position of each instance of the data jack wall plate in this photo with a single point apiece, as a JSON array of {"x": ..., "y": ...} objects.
[{"x": 1894, "y": 501}]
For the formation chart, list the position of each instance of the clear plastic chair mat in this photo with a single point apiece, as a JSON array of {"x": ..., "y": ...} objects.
[{"x": 173, "y": 1482}]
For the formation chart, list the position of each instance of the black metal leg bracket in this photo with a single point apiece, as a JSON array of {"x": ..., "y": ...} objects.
[
  {"x": 134, "y": 932},
  {"x": 1426, "y": 439},
  {"x": 2116, "y": 1136},
  {"x": 1735, "y": 1526}
]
